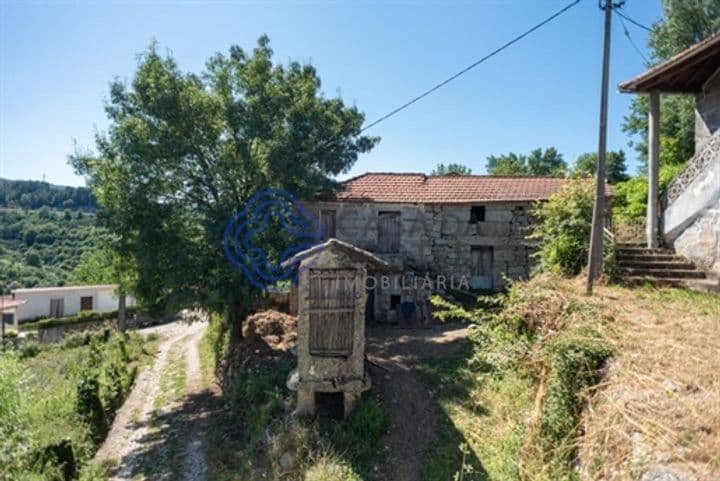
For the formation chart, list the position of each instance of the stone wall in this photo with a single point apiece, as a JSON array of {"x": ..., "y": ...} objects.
[
  {"x": 707, "y": 111},
  {"x": 700, "y": 241},
  {"x": 437, "y": 240}
]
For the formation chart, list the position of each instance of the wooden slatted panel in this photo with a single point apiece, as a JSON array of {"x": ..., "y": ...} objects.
[
  {"x": 388, "y": 232},
  {"x": 331, "y": 311},
  {"x": 327, "y": 223}
]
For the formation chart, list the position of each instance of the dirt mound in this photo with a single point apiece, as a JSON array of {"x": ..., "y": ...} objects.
[
  {"x": 275, "y": 329},
  {"x": 268, "y": 338}
]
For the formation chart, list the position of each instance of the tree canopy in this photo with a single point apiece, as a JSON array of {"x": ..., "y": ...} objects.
[
  {"x": 185, "y": 151},
  {"x": 616, "y": 168},
  {"x": 451, "y": 168},
  {"x": 540, "y": 163}
]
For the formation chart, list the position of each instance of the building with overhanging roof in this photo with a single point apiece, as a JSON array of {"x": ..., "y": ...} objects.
[{"x": 687, "y": 215}]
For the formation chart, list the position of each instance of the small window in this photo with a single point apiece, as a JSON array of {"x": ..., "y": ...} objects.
[
  {"x": 8, "y": 318},
  {"x": 86, "y": 303},
  {"x": 395, "y": 301},
  {"x": 477, "y": 214}
]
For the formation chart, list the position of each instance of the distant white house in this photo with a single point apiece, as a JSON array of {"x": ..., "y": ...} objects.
[{"x": 29, "y": 304}]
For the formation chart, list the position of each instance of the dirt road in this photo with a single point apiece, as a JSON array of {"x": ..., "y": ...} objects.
[
  {"x": 396, "y": 354},
  {"x": 158, "y": 433}
]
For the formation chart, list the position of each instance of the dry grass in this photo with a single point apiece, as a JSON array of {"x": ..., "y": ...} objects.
[{"x": 660, "y": 402}]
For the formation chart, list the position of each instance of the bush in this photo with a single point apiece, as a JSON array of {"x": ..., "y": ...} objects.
[
  {"x": 29, "y": 349},
  {"x": 575, "y": 360},
  {"x": 105, "y": 381},
  {"x": 328, "y": 468},
  {"x": 563, "y": 231},
  {"x": 14, "y": 442}
]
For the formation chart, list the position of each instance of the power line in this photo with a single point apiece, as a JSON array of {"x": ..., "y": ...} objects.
[
  {"x": 471, "y": 66},
  {"x": 632, "y": 42},
  {"x": 633, "y": 21}
]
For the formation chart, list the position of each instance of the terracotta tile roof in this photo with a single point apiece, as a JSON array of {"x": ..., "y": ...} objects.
[
  {"x": 10, "y": 303},
  {"x": 420, "y": 188}
]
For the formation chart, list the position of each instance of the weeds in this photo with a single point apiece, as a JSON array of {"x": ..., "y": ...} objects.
[
  {"x": 523, "y": 384},
  {"x": 69, "y": 393}
]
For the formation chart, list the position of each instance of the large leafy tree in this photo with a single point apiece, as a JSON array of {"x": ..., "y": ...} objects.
[
  {"x": 507, "y": 164},
  {"x": 451, "y": 168},
  {"x": 616, "y": 168},
  {"x": 540, "y": 162},
  {"x": 685, "y": 23},
  {"x": 546, "y": 163},
  {"x": 185, "y": 151}
]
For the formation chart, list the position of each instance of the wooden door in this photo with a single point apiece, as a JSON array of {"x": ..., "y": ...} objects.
[
  {"x": 327, "y": 223},
  {"x": 482, "y": 267},
  {"x": 331, "y": 311},
  {"x": 389, "y": 232}
]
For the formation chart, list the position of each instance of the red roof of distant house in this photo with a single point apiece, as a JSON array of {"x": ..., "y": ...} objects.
[
  {"x": 7, "y": 302},
  {"x": 453, "y": 188}
]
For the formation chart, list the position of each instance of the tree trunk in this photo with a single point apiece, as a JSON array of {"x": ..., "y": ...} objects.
[
  {"x": 122, "y": 326},
  {"x": 236, "y": 320}
]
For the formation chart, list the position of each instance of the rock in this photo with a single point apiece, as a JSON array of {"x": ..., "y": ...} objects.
[
  {"x": 662, "y": 473},
  {"x": 670, "y": 386},
  {"x": 287, "y": 461}
]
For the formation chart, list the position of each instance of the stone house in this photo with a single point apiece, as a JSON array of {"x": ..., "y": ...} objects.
[
  {"x": 463, "y": 232},
  {"x": 686, "y": 216}
]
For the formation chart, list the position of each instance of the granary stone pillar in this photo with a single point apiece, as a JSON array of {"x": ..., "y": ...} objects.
[
  {"x": 653, "y": 213},
  {"x": 305, "y": 402}
]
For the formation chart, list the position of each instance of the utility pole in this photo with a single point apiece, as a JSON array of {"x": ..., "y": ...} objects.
[{"x": 595, "y": 255}]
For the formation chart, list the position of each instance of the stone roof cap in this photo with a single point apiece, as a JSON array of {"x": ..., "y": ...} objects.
[{"x": 369, "y": 258}]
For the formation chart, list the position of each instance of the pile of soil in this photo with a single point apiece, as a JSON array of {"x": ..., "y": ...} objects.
[
  {"x": 276, "y": 330},
  {"x": 268, "y": 340}
]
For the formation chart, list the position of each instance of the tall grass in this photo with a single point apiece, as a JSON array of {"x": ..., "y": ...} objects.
[{"x": 56, "y": 405}]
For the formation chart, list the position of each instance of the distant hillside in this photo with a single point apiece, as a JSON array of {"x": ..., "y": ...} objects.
[
  {"x": 44, "y": 232},
  {"x": 34, "y": 194}
]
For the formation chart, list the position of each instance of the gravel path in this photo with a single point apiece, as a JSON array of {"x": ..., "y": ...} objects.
[
  {"x": 396, "y": 354},
  {"x": 141, "y": 431}
]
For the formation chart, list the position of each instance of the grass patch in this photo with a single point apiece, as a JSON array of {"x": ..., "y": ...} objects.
[
  {"x": 172, "y": 379},
  {"x": 257, "y": 437},
  {"x": 69, "y": 393},
  {"x": 510, "y": 404}
]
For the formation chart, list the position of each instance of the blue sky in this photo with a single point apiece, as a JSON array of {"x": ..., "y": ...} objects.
[{"x": 57, "y": 59}]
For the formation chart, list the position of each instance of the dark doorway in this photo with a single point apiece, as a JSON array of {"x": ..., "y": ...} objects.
[{"x": 330, "y": 405}]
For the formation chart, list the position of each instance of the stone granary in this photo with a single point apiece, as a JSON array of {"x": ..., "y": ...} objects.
[
  {"x": 461, "y": 231},
  {"x": 332, "y": 297}
]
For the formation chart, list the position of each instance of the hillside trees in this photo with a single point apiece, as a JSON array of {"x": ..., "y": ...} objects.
[{"x": 185, "y": 151}]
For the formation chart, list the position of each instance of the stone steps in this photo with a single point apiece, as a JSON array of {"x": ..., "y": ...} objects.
[{"x": 660, "y": 267}]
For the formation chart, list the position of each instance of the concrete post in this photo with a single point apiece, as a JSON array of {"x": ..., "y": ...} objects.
[{"x": 653, "y": 169}]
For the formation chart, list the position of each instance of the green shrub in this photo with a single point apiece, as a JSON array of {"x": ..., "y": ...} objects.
[
  {"x": 563, "y": 230},
  {"x": 329, "y": 468},
  {"x": 14, "y": 441},
  {"x": 358, "y": 436},
  {"x": 576, "y": 359},
  {"x": 29, "y": 349}
]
